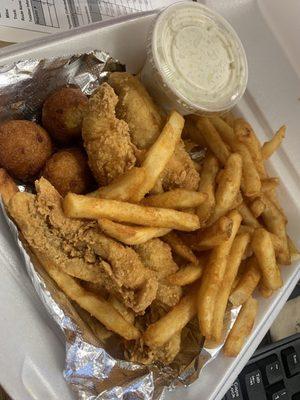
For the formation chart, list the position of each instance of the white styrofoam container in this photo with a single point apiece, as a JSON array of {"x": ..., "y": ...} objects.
[{"x": 31, "y": 347}]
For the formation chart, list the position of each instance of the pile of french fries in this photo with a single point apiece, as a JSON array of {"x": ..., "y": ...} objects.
[
  {"x": 237, "y": 228},
  {"x": 231, "y": 232}
]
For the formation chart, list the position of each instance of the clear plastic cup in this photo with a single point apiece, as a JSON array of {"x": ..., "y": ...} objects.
[{"x": 195, "y": 63}]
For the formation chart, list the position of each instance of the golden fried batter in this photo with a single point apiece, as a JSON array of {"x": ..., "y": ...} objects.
[
  {"x": 80, "y": 249},
  {"x": 157, "y": 256},
  {"x": 180, "y": 171},
  {"x": 62, "y": 114},
  {"x": 145, "y": 121},
  {"x": 106, "y": 138},
  {"x": 67, "y": 170},
  {"x": 24, "y": 148},
  {"x": 138, "y": 351},
  {"x": 136, "y": 107}
]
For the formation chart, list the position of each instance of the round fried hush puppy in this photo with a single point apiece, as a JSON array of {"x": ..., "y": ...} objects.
[
  {"x": 68, "y": 171},
  {"x": 24, "y": 148},
  {"x": 62, "y": 114}
]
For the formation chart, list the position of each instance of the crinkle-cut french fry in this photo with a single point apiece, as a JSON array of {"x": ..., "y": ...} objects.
[
  {"x": 209, "y": 237},
  {"x": 248, "y": 282},
  {"x": 257, "y": 207},
  {"x": 130, "y": 234},
  {"x": 188, "y": 273},
  {"x": 241, "y": 328},
  {"x": 264, "y": 291},
  {"x": 94, "y": 304},
  {"x": 78, "y": 206},
  {"x": 234, "y": 260},
  {"x": 212, "y": 278},
  {"x": 246, "y": 135},
  {"x": 191, "y": 131},
  {"x": 177, "y": 199},
  {"x": 275, "y": 222},
  {"x": 161, "y": 331},
  {"x": 272, "y": 145},
  {"x": 269, "y": 184},
  {"x": 207, "y": 185},
  {"x": 264, "y": 251},
  {"x": 7, "y": 186},
  {"x": 251, "y": 184},
  {"x": 123, "y": 187},
  {"x": 179, "y": 247},
  {"x": 213, "y": 139},
  {"x": 229, "y": 186},
  {"x": 159, "y": 154},
  {"x": 248, "y": 217}
]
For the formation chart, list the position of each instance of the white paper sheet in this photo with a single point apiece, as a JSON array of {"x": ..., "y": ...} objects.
[{"x": 22, "y": 20}]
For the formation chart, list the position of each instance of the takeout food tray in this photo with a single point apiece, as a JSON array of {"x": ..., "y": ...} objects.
[{"x": 31, "y": 348}]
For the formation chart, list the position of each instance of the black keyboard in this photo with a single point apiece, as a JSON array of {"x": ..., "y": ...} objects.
[{"x": 273, "y": 373}]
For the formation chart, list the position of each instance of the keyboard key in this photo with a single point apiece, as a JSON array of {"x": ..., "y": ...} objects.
[
  {"x": 274, "y": 372},
  {"x": 235, "y": 392},
  {"x": 291, "y": 362},
  {"x": 254, "y": 386},
  {"x": 280, "y": 395}
]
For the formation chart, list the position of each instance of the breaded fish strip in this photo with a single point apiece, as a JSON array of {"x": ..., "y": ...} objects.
[
  {"x": 106, "y": 138},
  {"x": 157, "y": 256},
  {"x": 180, "y": 171},
  {"x": 145, "y": 122},
  {"x": 80, "y": 250},
  {"x": 136, "y": 107}
]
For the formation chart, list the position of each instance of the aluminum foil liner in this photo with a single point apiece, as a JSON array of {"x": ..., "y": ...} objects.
[{"x": 93, "y": 369}]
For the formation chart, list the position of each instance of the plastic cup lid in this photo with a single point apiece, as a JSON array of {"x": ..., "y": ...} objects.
[{"x": 199, "y": 57}]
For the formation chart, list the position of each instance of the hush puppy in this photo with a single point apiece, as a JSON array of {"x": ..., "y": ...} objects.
[
  {"x": 68, "y": 171},
  {"x": 62, "y": 114},
  {"x": 24, "y": 148}
]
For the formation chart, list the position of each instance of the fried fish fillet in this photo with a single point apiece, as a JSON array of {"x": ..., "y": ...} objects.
[
  {"x": 157, "y": 256},
  {"x": 136, "y": 107},
  {"x": 145, "y": 121},
  {"x": 80, "y": 249},
  {"x": 180, "y": 171},
  {"x": 106, "y": 138}
]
